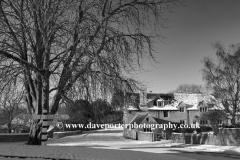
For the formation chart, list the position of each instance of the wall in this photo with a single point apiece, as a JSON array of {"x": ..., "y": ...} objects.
[
  {"x": 174, "y": 116},
  {"x": 14, "y": 137},
  {"x": 146, "y": 136},
  {"x": 190, "y": 138},
  {"x": 230, "y": 136},
  {"x": 131, "y": 134},
  {"x": 226, "y": 137},
  {"x": 155, "y": 114},
  {"x": 192, "y": 114}
]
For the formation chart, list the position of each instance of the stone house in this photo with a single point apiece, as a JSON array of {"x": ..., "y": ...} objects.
[
  {"x": 176, "y": 107},
  {"x": 184, "y": 108}
]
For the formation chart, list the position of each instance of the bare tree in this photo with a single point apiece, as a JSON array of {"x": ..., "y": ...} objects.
[
  {"x": 11, "y": 105},
  {"x": 213, "y": 118},
  {"x": 223, "y": 77},
  {"x": 189, "y": 88},
  {"x": 50, "y": 45}
]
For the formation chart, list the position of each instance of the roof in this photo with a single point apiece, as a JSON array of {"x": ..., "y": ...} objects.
[
  {"x": 161, "y": 121},
  {"x": 217, "y": 106},
  {"x": 190, "y": 99},
  {"x": 193, "y": 107},
  {"x": 132, "y": 108},
  {"x": 165, "y": 108},
  {"x": 138, "y": 118},
  {"x": 160, "y": 99},
  {"x": 182, "y": 104},
  {"x": 165, "y": 96},
  {"x": 195, "y": 100}
]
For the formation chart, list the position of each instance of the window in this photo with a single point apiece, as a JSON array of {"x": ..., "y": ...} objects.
[
  {"x": 147, "y": 129},
  {"x": 165, "y": 114},
  {"x": 194, "y": 121},
  {"x": 147, "y": 119},
  {"x": 181, "y": 109},
  {"x": 182, "y": 121},
  {"x": 220, "y": 122},
  {"x": 159, "y": 104},
  {"x": 203, "y": 109},
  {"x": 203, "y": 122}
]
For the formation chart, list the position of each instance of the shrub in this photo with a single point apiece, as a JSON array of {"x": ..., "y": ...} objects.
[{"x": 205, "y": 128}]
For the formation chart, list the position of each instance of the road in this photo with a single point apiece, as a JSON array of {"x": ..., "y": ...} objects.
[{"x": 109, "y": 144}]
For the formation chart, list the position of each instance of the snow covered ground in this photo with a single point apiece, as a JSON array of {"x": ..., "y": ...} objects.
[
  {"x": 102, "y": 145},
  {"x": 20, "y": 151}
]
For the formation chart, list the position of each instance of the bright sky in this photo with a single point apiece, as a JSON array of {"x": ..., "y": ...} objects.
[{"x": 193, "y": 28}]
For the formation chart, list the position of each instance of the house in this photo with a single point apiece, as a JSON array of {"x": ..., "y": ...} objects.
[
  {"x": 176, "y": 108},
  {"x": 183, "y": 108},
  {"x": 170, "y": 108}
]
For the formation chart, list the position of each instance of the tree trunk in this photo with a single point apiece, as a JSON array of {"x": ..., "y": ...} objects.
[
  {"x": 234, "y": 114},
  {"x": 35, "y": 133},
  {"x": 233, "y": 119},
  {"x": 9, "y": 127}
]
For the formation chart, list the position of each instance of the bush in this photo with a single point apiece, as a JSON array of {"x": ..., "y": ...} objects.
[
  {"x": 237, "y": 125},
  {"x": 191, "y": 130},
  {"x": 229, "y": 126},
  {"x": 205, "y": 128}
]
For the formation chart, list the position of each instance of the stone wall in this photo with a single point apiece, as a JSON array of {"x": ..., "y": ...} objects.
[
  {"x": 146, "y": 136},
  {"x": 131, "y": 134},
  {"x": 229, "y": 136},
  {"x": 189, "y": 138},
  {"x": 14, "y": 137},
  {"x": 226, "y": 137}
]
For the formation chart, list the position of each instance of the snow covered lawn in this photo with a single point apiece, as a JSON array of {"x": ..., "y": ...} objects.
[{"x": 22, "y": 150}]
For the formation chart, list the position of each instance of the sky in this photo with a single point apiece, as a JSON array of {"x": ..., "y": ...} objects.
[{"x": 193, "y": 29}]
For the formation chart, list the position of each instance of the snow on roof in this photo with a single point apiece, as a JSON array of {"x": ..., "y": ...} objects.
[
  {"x": 154, "y": 108},
  {"x": 149, "y": 100},
  {"x": 189, "y": 98},
  {"x": 190, "y": 101},
  {"x": 196, "y": 99},
  {"x": 193, "y": 107},
  {"x": 160, "y": 99},
  {"x": 218, "y": 106},
  {"x": 182, "y": 104},
  {"x": 132, "y": 108},
  {"x": 166, "y": 107}
]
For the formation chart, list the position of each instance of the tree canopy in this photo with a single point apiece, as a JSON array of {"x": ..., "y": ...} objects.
[
  {"x": 11, "y": 105},
  {"x": 222, "y": 76},
  {"x": 50, "y": 47},
  {"x": 213, "y": 118},
  {"x": 189, "y": 88}
]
